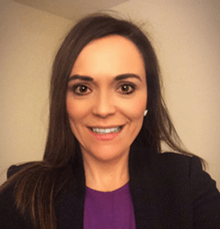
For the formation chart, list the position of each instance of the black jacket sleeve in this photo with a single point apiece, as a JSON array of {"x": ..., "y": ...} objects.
[{"x": 205, "y": 198}]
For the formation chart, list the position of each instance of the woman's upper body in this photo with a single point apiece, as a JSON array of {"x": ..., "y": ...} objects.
[
  {"x": 167, "y": 190},
  {"x": 105, "y": 78}
]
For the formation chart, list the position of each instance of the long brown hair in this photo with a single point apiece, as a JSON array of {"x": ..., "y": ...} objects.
[{"x": 42, "y": 182}]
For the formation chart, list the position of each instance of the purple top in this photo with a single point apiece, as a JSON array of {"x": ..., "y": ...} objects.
[{"x": 109, "y": 210}]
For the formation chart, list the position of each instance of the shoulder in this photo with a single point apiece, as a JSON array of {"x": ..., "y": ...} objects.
[
  {"x": 174, "y": 158},
  {"x": 187, "y": 169},
  {"x": 179, "y": 163},
  {"x": 10, "y": 216},
  {"x": 191, "y": 183},
  {"x": 16, "y": 168},
  {"x": 167, "y": 163},
  {"x": 176, "y": 186}
]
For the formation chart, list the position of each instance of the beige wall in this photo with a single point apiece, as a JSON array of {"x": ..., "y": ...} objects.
[
  {"x": 29, "y": 39},
  {"x": 186, "y": 35}
]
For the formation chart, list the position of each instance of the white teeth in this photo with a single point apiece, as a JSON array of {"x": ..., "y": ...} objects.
[{"x": 106, "y": 131}]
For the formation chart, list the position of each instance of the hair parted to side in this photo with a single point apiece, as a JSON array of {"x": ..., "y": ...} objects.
[{"x": 41, "y": 182}]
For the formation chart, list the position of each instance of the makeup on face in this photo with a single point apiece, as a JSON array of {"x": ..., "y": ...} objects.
[{"x": 107, "y": 96}]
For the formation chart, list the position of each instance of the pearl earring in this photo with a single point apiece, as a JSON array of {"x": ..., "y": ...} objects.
[{"x": 145, "y": 112}]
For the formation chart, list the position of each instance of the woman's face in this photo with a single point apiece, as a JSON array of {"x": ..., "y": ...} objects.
[{"x": 106, "y": 97}]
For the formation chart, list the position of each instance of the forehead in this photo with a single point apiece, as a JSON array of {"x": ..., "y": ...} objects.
[{"x": 111, "y": 55}]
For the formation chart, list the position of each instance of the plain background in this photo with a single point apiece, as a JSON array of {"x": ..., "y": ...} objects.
[{"x": 186, "y": 37}]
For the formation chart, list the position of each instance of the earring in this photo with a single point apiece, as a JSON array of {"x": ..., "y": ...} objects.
[{"x": 145, "y": 112}]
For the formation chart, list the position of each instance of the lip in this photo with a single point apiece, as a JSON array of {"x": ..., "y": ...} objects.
[
  {"x": 105, "y": 137},
  {"x": 106, "y": 127}
]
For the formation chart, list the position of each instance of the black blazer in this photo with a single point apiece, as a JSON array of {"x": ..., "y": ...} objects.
[{"x": 169, "y": 191}]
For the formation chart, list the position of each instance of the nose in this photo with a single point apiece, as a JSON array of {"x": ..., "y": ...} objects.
[{"x": 104, "y": 106}]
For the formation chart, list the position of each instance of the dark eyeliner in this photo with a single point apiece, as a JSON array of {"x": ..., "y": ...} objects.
[
  {"x": 129, "y": 85},
  {"x": 74, "y": 87}
]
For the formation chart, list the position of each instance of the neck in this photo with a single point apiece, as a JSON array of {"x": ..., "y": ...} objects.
[{"x": 106, "y": 175}]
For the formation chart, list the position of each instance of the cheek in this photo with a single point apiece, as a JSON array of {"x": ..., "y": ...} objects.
[
  {"x": 136, "y": 108},
  {"x": 140, "y": 107},
  {"x": 75, "y": 110}
]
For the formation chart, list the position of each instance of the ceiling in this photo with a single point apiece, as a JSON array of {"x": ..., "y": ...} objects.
[{"x": 71, "y": 9}]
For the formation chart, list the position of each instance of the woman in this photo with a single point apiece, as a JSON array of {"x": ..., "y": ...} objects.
[{"x": 103, "y": 166}]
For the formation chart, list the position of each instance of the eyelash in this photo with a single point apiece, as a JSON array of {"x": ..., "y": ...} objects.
[
  {"x": 130, "y": 87},
  {"x": 78, "y": 87}
]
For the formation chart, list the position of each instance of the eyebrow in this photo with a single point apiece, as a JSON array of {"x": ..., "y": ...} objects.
[
  {"x": 117, "y": 78},
  {"x": 78, "y": 77},
  {"x": 126, "y": 76}
]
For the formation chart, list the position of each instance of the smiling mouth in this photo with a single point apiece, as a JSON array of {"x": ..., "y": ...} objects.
[{"x": 106, "y": 130}]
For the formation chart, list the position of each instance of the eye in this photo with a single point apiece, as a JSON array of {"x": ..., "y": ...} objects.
[
  {"x": 81, "y": 90},
  {"x": 126, "y": 89}
]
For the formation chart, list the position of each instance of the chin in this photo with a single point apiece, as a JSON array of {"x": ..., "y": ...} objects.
[{"x": 106, "y": 153}]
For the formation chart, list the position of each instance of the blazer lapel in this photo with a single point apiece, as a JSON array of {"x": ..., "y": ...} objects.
[
  {"x": 143, "y": 185},
  {"x": 71, "y": 207},
  {"x": 154, "y": 191}
]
